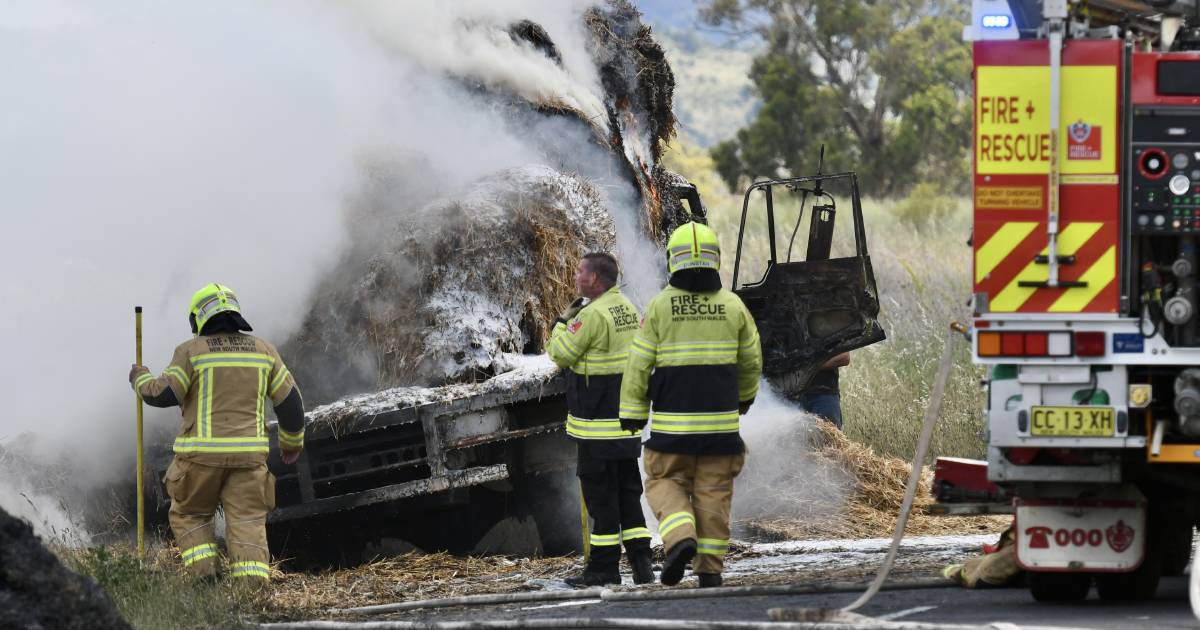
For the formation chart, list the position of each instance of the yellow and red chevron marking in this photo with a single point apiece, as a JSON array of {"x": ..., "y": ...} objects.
[{"x": 1004, "y": 257}]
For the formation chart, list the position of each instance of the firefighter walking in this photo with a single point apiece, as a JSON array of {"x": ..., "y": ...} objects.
[
  {"x": 693, "y": 370},
  {"x": 222, "y": 379},
  {"x": 591, "y": 343}
]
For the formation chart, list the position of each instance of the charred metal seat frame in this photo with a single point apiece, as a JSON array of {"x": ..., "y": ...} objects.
[{"x": 809, "y": 311}]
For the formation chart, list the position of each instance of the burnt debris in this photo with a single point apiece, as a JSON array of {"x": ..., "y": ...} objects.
[{"x": 37, "y": 591}]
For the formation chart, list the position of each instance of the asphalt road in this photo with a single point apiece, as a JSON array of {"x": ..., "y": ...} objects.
[{"x": 935, "y": 605}]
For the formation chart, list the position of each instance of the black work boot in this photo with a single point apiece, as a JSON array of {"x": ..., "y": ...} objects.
[
  {"x": 643, "y": 570},
  {"x": 590, "y": 577},
  {"x": 677, "y": 559},
  {"x": 709, "y": 579}
]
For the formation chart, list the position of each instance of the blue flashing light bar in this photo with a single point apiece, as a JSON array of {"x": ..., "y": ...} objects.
[
  {"x": 992, "y": 20},
  {"x": 996, "y": 21}
]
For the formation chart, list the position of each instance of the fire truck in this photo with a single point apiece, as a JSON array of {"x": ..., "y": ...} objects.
[{"x": 1085, "y": 284}]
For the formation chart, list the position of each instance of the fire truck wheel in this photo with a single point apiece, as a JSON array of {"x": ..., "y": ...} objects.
[
  {"x": 1178, "y": 548},
  {"x": 1059, "y": 587},
  {"x": 1135, "y": 586},
  {"x": 1140, "y": 584}
]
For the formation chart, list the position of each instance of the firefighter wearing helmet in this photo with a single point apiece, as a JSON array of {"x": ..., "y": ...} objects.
[
  {"x": 591, "y": 342},
  {"x": 222, "y": 380},
  {"x": 693, "y": 370}
]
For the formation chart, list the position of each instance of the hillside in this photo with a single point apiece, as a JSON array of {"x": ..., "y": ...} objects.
[{"x": 713, "y": 93}]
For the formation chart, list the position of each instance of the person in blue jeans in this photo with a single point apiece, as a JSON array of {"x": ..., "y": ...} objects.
[{"x": 822, "y": 397}]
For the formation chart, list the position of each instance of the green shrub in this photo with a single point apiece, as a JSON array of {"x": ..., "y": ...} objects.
[{"x": 925, "y": 204}]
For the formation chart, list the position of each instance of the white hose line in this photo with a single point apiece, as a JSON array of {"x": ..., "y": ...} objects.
[
  {"x": 472, "y": 600},
  {"x": 766, "y": 590},
  {"x": 914, "y": 477},
  {"x": 1194, "y": 582},
  {"x": 609, "y": 595},
  {"x": 616, "y": 622}
]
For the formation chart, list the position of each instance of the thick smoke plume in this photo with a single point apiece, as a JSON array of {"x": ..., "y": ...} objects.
[{"x": 149, "y": 148}]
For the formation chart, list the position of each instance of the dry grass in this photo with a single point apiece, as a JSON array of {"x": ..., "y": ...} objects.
[
  {"x": 556, "y": 253},
  {"x": 147, "y": 592},
  {"x": 408, "y": 577},
  {"x": 847, "y": 490},
  {"x": 156, "y": 593}
]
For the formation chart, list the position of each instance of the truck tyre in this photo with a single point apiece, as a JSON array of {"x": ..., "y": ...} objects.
[
  {"x": 1177, "y": 543},
  {"x": 1058, "y": 587},
  {"x": 1137, "y": 585},
  {"x": 1141, "y": 583}
]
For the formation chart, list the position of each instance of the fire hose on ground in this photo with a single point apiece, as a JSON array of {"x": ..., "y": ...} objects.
[
  {"x": 782, "y": 618},
  {"x": 866, "y": 623},
  {"x": 1194, "y": 582}
]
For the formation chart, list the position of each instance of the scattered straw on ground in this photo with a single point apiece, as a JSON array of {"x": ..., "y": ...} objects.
[
  {"x": 409, "y": 577},
  {"x": 875, "y": 487}
]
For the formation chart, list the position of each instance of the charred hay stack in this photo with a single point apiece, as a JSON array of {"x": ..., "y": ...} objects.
[
  {"x": 641, "y": 90},
  {"x": 451, "y": 287},
  {"x": 37, "y": 591},
  {"x": 434, "y": 289}
]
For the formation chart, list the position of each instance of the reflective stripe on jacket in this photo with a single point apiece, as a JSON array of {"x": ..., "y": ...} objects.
[
  {"x": 696, "y": 357},
  {"x": 224, "y": 382},
  {"x": 593, "y": 348}
]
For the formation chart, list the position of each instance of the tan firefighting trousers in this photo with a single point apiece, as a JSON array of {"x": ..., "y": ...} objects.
[
  {"x": 691, "y": 497},
  {"x": 996, "y": 567},
  {"x": 245, "y": 494}
]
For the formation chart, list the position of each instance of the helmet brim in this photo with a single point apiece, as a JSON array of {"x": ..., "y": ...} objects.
[{"x": 240, "y": 321}]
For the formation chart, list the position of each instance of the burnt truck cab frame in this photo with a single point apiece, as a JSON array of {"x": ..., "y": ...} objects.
[{"x": 808, "y": 311}]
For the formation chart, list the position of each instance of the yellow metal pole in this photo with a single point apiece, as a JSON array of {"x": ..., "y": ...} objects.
[
  {"x": 141, "y": 494},
  {"x": 583, "y": 517}
]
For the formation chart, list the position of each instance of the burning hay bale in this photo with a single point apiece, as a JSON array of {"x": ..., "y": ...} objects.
[
  {"x": 453, "y": 286},
  {"x": 842, "y": 489},
  {"x": 641, "y": 89}
]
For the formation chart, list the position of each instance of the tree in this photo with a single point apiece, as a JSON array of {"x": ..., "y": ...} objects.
[{"x": 884, "y": 85}]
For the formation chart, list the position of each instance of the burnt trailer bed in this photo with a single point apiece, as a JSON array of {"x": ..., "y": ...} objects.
[{"x": 459, "y": 453}]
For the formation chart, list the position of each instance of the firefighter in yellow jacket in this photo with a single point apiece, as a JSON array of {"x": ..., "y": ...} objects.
[
  {"x": 591, "y": 343},
  {"x": 222, "y": 380},
  {"x": 693, "y": 370}
]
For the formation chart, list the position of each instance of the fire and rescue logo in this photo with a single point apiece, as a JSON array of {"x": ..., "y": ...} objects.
[
  {"x": 1119, "y": 536},
  {"x": 574, "y": 326},
  {"x": 1083, "y": 141}
]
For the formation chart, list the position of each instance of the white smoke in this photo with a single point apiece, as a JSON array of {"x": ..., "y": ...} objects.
[
  {"x": 470, "y": 39},
  {"x": 782, "y": 478},
  {"x": 151, "y": 147}
]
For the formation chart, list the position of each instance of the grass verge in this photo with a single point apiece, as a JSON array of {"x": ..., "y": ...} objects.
[{"x": 157, "y": 594}]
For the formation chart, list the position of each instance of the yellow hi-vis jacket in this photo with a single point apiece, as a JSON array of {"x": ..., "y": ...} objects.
[
  {"x": 222, "y": 383},
  {"x": 696, "y": 357},
  {"x": 593, "y": 348}
]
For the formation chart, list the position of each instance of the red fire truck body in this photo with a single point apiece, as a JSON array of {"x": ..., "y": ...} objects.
[{"x": 1086, "y": 226}]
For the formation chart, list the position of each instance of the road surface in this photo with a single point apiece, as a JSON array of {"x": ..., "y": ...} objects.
[{"x": 934, "y": 605}]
